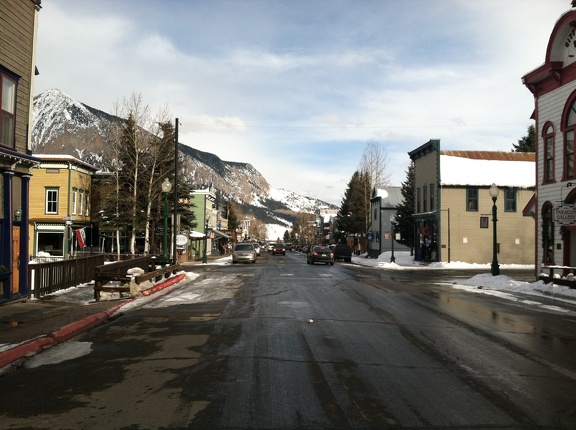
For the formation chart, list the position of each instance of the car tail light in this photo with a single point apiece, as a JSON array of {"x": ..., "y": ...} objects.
[
  {"x": 331, "y": 254},
  {"x": 315, "y": 254}
]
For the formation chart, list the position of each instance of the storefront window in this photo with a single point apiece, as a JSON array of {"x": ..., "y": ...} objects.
[{"x": 51, "y": 243}]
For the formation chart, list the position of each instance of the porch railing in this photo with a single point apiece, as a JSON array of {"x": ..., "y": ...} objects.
[{"x": 49, "y": 277}]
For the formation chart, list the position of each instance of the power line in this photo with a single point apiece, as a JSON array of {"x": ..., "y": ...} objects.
[{"x": 351, "y": 127}]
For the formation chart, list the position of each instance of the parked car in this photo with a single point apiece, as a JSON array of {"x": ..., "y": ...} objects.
[
  {"x": 270, "y": 246},
  {"x": 305, "y": 249},
  {"x": 343, "y": 252},
  {"x": 320, "y": 254},
  {"x": 278, "y": 248},
  {"x": 244, "y": 251}
]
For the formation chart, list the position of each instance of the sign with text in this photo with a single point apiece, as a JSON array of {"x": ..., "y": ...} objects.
[{"x": 565, "y": 214}]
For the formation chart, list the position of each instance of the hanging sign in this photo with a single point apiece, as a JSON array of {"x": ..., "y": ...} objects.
[
  {"x": 565, "y": 214},
  {"x": 181, "y": 240}
]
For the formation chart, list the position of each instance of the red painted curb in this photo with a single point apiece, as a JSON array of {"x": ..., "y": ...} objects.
[
  {"x": 163, "y": 284},
  {"x": 20, "y": 351},
  {"x": 69, "y": 331}
]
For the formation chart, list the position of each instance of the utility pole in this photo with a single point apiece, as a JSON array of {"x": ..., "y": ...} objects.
[{"x": 175, "y": 196}]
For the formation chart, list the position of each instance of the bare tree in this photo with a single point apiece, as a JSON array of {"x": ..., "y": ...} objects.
[
  {"x": 143, "y": 154},
  {"x": 374, "y": 164},
  {"x": 158, "y": 162},
  {"x": 374, "y": 168},
  {"x": 258, "y": 230}
]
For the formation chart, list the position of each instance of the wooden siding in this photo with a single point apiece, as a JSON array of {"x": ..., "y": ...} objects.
[
  {"x": 425, "y": 174},
  {"x": 472, "y": 244},
  {"x": 65, "y": 181},
  {"x": 17, "y": 37},
  {"x": 550, "y": 107}
]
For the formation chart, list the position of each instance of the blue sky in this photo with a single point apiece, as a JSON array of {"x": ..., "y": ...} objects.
[{"x": 298, "y": 88}]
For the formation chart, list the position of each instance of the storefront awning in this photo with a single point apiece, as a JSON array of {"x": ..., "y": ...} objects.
[
  {"x": 224, "y": 235},
  {"x": 196, "y": 235},
  {"x": 425, "y": 215}
]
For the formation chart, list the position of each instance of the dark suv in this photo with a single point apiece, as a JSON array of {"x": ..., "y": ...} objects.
[{"x": 343, "y": 252}]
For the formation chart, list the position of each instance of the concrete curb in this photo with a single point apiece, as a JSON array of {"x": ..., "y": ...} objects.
[{"x": 71, "y": 330}]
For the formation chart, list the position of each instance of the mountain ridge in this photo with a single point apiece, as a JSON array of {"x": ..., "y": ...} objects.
[{"x": 64, "y": 125}]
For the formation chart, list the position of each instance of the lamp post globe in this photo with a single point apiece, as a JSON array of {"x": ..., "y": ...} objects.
[{"x": 495, "y": 267}]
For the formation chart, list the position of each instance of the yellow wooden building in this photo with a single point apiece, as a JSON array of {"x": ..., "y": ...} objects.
[{"x": 60, "y": 206}]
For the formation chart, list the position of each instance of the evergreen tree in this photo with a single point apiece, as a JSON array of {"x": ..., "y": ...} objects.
[
  {"x": 231, "y": 216},
  {"x": 527, "y": 143},
  {"x": 352, "y": 215},
  {"x": 404, "y": 211},
  {"x": 130, "y": 198}
]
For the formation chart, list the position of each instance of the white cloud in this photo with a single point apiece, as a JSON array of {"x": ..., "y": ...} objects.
[{"x": 302, "y": 88}]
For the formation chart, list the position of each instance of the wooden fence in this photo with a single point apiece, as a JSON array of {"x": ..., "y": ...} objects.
[{"x": 49, "y": 277}]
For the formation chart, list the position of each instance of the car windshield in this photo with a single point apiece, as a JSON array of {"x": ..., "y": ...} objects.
[{"x": 244, "y": 247}]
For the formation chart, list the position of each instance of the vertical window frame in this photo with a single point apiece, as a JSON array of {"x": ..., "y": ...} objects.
[
  {"x": 52, "y": 200},
  {"x": 7, "y": 137},
  {"x": 74, "y": 200},
  {"x": 425, "y": 198},
  {"x": 510, "y": 199},
  {"x": 549, "y": 139},
  {"x": 472, "y": 199},
  {"x": 568, "y": 135},
  {"x": 81, "y": 202}
]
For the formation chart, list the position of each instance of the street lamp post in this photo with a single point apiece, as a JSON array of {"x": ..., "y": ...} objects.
[
  {"x": 392, "y": 220},
  {"x": 205, "y": 256},
  {"x": 495, "y": 268},
  {"x": 166, "y": 187}
]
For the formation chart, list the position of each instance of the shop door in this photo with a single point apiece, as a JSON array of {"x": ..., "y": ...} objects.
[{"x": 15, "y": 260}]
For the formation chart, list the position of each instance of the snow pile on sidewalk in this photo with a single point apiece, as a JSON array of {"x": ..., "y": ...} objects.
[{"x": 403, "y": 261}]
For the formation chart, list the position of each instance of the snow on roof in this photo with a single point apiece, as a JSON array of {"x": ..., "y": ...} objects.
[
  {"x": 482, "y": 171},
  {"x": 381, "y": 193},
  {"x": 390, "y": 197},
  {"x": 64, "y": 157}
]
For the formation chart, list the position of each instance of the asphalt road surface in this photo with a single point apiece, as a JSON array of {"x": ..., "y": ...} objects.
[{"x": 281, "y": 344}]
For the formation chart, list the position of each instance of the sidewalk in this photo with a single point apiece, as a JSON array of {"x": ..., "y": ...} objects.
[{"x": 29, "y": 326}]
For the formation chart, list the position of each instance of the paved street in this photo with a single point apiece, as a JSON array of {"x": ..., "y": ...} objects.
[{"x": 284, "y": 345}]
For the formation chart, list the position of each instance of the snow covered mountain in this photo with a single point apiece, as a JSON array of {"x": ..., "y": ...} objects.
[{"x": 63, "y": 125}]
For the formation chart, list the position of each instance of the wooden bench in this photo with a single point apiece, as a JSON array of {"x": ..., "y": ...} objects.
[
  {"x": 118, "y": 272},
  {"x": 563, "y": 279}
]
